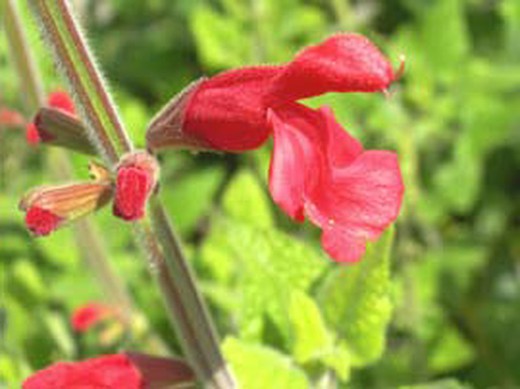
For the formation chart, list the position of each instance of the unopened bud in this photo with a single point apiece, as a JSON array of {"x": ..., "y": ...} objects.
[
  {"x": 56, "y": 127},
  {"x": 47, "y": 208}
]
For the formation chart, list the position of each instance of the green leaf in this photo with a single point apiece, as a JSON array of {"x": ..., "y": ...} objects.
[
  {"x": 260, "y": 367},
  {"x": 452, "y": 352},
  {"x": 26, "y": 284},
  {"x": 311, "y": 336},
  {"x": 192, "y": 196},
  {"x": 356, "y": 301},
  {"x": 444, "y": 47},
  {"x": 312, "y": 340},
  {"x": 221, "y": 41},
  {"x": 246, "y": 201},
  {"x": 267, "y": 265}
]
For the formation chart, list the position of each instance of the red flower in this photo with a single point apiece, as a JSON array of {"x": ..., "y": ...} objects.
[
  {"x": 48, "y": 208},
  {"x": 317, "y": 168},
  {"x": 87, "y": 316},
  {"x": 59, "y": 100},
  {"x": 129, "y": 371},
  {"x": 137, "y": 176},
  {"x": 41, "y": 221}
]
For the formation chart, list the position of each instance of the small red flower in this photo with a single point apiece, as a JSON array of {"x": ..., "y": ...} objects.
[
  {"x": 41, "y": 221},
  {"x": 317, "y": 169},
  {"x": 117, "y": 371},
  {"x": 89, "y": 315},
  {"x": 47, "y": 208},
  {"x": 136, "y": 178},
  {"x": 59, "y": 100}
]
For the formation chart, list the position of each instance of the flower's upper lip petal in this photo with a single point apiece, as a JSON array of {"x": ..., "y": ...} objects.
[{"x": 342, "y": 63}]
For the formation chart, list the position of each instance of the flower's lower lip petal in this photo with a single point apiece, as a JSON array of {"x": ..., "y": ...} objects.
[
  {"x": 365, "y": 199},
  {"x": 353, "y": 195},
  {"x": 342, "y": 246},
  {"x": 296, "y": 159},
  {"x": 368, "y": 192}
]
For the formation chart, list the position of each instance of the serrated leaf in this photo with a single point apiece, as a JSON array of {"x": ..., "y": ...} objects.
[
  {"x": 246, "y": 201},
  {"x": 260, "y": 367},
  {"x": 268, "y": 266},
  {"x": 356, "y": 301},
  {"x": 311, "y": 336},
  {"x": 312, "y": 340}
]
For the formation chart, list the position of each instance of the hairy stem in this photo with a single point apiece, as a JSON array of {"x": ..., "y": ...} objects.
[
  {"x": 87, "y": 85},
  {"x": 155, "y": 235}
]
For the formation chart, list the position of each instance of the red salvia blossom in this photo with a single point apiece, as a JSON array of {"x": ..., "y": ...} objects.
[
  {"x": 137, "y": 176},
  {"x": 47, "y": 208},
  {"x": 317, "y": 168},
  {"x": 117, "y": 371},
  {"x": 59, "y": 100},
  {"x": 89, "y": 315}
]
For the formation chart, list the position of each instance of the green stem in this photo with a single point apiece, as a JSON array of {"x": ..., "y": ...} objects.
[
  {"x": 155, "y": 235},
  {"x": 21, "y": 55}
]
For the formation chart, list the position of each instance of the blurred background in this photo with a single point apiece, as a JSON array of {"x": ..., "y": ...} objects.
[{"x": 451, "y": 305}]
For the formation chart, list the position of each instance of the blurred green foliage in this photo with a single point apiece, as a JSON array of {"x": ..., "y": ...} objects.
[{"x": 441, "y": 311}]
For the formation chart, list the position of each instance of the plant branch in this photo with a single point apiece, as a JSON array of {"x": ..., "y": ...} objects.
[
  {"x": 86, "y": 236},
  {"x": 156, "y": 237},
  {"x": 89, "y": 90}
]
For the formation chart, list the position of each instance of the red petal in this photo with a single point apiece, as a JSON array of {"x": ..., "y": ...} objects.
[
  {"x": 296, "y": 149},
  {"x": 227, "y": 112},
  {"x": 305, "y": 141},
  {"x": 357, "y": 204},
  {"x": 107, "y": 372},
  {"x": 132, "y": 189},
  {"x": 41, "y": 221},
  {"x": 342, "y": 63},
  {"x": 88, "y": 315},
  {"x": 62, "y": 101},
  {"x": 319, "y": 168}
]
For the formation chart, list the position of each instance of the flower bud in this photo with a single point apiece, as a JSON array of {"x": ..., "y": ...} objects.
[
  {"x": 56, "y": 127},
  {"x": 137, "y": 176},
  {"x": 47, "y": 208},
  {"x": 57, "y": 124}
]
